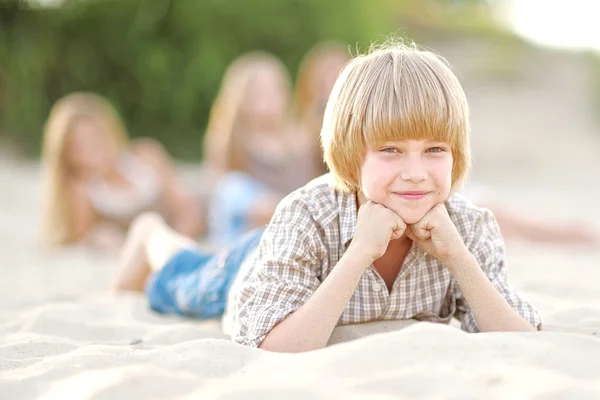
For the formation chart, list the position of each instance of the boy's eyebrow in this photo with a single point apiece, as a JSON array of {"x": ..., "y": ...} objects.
[
  {"x": 437, "y": 141},
  {"x": 396, "y": 142}
]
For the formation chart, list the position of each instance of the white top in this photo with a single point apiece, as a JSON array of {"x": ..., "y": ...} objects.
[{"x": 125, "y": 202}]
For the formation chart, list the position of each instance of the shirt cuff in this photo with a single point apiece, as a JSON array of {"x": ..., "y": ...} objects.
[{"x": 264, "y": 320}]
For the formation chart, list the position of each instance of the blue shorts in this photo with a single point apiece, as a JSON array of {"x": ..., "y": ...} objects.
[{"x": 196, "y": 284}]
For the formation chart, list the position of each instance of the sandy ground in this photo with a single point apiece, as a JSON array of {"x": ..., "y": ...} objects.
[{"x": 63, "y": 336}]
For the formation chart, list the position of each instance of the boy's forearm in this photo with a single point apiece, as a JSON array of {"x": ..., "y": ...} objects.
[
  {"x": 310, "y": 327},
  {"x": 491, "y": 311}
]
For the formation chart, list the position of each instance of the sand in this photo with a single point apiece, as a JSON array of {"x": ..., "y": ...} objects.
[{"x": 64, "y": 336}]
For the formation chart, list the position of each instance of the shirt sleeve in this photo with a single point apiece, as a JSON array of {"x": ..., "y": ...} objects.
[
  {"x": 487, "y": 246},
  {"x": 284, "y": 277}
]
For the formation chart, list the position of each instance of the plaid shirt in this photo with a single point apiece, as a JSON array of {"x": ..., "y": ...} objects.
[{"x": 307, "y": 236}]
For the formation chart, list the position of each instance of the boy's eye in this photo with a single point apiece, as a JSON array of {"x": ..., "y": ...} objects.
[
  {"x": 389, "y": 150},
  {"x": 435, "y": 150}
]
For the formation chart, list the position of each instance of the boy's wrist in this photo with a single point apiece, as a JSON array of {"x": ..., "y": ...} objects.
[
  {"x": 458, "y": 259},
  {"x": 358, "y": 257}
]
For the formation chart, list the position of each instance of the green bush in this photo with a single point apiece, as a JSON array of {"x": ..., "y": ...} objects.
[{"x": 159, "y": 61}]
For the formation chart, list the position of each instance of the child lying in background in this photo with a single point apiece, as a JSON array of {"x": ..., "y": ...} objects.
[{"x": 96, "y": 182}]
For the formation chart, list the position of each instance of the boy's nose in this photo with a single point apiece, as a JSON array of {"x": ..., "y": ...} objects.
[{"x": 414, "y": 170}]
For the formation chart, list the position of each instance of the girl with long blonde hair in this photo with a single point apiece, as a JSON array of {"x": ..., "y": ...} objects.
[
  {"x": 318, "y": 71},
  {"x": 248, "y": 143},
  {"x": 96, "y": 181}
]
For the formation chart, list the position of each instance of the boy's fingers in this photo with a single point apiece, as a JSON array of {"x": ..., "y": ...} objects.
[
  {"x": 397, "y": 229},
  {"x": 411, "y": 235},
  {"x": 424, "y": 233},
  {"x": 420, "y": 230},
  {"x": 400, "y": 223}
]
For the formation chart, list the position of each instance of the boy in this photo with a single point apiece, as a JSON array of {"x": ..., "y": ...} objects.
[{"x": 383, "y": 236}]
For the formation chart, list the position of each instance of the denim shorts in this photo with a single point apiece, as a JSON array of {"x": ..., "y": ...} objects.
[{"x": 196, "y": 284}]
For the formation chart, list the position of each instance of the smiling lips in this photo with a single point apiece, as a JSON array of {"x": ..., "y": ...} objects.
[{"x": 412, "y": 194}]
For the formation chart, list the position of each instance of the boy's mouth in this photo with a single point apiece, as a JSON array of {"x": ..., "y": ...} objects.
[{"x": 412, "y": 194}]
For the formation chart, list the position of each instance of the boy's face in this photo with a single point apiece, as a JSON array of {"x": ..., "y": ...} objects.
[{"x": 409, "y": 177}]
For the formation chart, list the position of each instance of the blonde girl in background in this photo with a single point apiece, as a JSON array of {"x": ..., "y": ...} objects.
[
  {"x": 318, "y": 71},
  {"x": 248, "y": 146},
  {"x": 96, "y": 181}
]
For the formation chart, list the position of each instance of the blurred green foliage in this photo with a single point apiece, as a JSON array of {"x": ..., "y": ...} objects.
[{"x": 161, "y": 61}]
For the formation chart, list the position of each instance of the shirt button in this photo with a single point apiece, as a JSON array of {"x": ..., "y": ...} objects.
[{"x": 377, "y": 287}]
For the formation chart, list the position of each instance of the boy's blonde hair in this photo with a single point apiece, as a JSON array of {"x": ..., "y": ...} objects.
[
  {"x": 65, "y": 112},
  {"x": 394, "y": 92}
]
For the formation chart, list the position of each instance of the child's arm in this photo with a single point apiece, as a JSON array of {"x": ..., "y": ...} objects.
[
  {"x": 490, "y": 310},
  {"x": 485, "y": 301},
  {"x": 285, "y": 307},
  {"x": 310, "y": 327}
]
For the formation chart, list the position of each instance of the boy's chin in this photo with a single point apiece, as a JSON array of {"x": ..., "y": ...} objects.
[
  {"x": 412, "y": 216},
  {"x": 410, "y": 220}
]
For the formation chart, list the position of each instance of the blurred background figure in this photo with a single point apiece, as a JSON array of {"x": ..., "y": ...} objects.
[
  {"x": 518, "y": 224},
  {"x": 96, "y": 181},
  {"x": 318, "y": 71},
  {"x": 249, "y": 146}
]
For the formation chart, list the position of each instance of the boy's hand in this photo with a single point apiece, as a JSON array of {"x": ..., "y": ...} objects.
[
  {"x": 376, "y": 225},
  {"x": 436, "y": 234}
]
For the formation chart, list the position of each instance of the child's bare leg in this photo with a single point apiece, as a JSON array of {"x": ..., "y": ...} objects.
[
  {"x": 513, "y": 225},
  {"x": 150, "y": 243}
]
